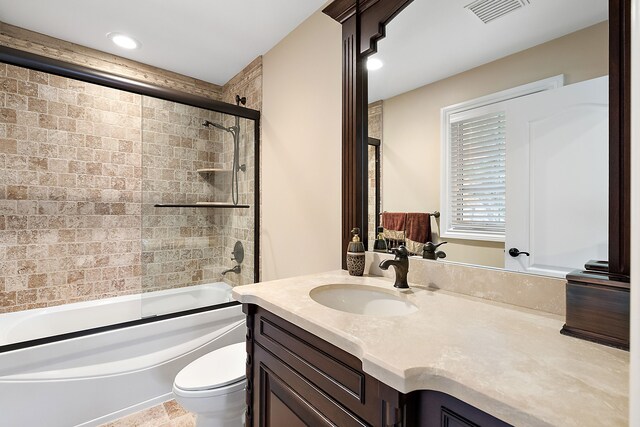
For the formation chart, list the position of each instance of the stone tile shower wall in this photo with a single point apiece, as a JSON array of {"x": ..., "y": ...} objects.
[
  {"x": 70, "y": 181},
  {"x": 180, "y": 246},
  {"x": 80, "y": 169},
  {"x": 239, "y": 224}
]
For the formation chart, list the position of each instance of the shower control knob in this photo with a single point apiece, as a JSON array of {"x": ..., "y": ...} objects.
[
  {"x": 238, "y": 253},
  {"x": 515, "y": 252}
]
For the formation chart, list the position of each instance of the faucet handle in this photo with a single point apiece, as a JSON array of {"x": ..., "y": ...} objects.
[
  {"x": 431, "y": 247},
  {"x": 401, "y": 251}
]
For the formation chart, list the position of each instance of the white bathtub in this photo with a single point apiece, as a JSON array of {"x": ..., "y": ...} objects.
[{"x": 92, "y": 379}]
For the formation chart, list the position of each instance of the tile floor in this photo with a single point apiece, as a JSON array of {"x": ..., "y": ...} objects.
[{"x": 167, "y": 414}]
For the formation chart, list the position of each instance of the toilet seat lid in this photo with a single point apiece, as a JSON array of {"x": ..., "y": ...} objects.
[{"x": 213, "y": 370}]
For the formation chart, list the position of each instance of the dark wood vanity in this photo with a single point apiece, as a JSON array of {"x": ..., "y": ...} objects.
[{"x": 298, "y": 379}]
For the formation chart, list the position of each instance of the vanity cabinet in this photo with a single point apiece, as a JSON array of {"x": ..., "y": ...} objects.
[{"x": 295, "y": 379}]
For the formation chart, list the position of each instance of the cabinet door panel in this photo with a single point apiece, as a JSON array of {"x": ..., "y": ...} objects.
[
  {"x": 280, "y": 414},
  {"x": 327, "y": 369},
  {"x": 300, "y": 354},
  {"x": 435, "y": 409},
  {"x": 287, "y": 399},
  {"x": 450, "y": 419},
  {"x": 285, "y": 407}
]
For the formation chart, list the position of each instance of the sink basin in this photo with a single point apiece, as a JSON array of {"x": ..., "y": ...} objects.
[{"x": 359, "y": 299}]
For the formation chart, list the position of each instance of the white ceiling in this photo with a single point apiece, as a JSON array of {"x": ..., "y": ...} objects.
[
  {"x": 434, "y": 39},
  {"x": 211, "y": 40}
]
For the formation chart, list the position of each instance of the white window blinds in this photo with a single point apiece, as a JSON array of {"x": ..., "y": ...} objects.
[
  {"x": 473, "y": 148},
  {"x": 477, "y": 175}
]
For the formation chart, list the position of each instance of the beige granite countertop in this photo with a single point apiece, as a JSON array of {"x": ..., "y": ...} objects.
[{"x": 507, "y": 361}]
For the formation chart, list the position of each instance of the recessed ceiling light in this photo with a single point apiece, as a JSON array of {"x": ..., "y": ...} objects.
[
  {"x": 123, "y": 41},
  {"x": 374, "y": 64}
]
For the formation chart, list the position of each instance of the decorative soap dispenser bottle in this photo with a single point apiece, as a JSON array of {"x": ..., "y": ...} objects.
[
  {"x": 355, "y": 254},
  {"x": 380, "y": 243}
]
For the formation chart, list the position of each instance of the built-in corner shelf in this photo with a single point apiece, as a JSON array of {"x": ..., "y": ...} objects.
[
  {"x": 212, "y": 170},
  {"x": 201, "y": 205}
]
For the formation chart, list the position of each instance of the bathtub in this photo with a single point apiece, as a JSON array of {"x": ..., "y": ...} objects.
[{"x": 92, "y": 379}]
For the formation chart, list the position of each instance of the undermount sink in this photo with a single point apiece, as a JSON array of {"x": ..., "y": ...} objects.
[{"x": 360, "y": 299}]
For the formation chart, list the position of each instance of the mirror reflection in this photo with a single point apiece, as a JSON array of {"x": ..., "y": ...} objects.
[{"x": 497, "y": 118}]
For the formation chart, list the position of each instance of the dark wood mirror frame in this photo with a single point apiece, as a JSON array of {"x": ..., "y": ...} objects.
[{"x": 598, "y": 296}]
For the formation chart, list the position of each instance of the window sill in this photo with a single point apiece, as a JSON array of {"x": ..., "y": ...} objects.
[{"x": 485, "y": 237}]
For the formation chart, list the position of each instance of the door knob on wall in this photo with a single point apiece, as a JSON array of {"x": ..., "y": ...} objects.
[{"x": 515, "y": 252}]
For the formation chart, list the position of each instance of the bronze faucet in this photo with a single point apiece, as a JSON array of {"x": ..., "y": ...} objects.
[
  {"x": 236, "y": 269},
  {"x": 400, "y": 264},
  {"x": 430, "y": 252}
]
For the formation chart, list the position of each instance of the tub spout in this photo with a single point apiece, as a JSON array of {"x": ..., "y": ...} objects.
[{"x": 236, "y": 269}]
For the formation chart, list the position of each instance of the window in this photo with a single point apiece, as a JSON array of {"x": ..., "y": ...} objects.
[
  {"x": 474, "y": 139},
  {"x": 477, "y": 174}
]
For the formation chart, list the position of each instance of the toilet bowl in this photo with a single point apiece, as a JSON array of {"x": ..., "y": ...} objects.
[{"x": 213, "y": 387}]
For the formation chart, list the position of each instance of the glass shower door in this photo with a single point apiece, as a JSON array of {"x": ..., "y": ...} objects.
[{"x": 194, "y": 221}]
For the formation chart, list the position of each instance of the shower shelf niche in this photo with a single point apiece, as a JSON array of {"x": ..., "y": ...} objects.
[
  {"x": 201, "y": 205},
  {"x": 212, "y": 170}
]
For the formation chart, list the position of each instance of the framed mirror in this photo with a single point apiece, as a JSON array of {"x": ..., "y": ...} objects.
[
  {"x": 498, "y": 118},
  {"x": 366, "y": 22}
]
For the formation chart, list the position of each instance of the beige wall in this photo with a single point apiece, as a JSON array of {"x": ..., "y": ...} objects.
[
  {"x": 411, "y": 123},
  {"x": 301, "y": 159}
]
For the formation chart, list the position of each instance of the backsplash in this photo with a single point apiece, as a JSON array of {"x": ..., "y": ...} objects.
[{"x": 523, "y": 290}]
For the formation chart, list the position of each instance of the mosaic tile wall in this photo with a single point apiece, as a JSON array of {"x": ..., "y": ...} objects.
[{"x": 80, "y": 169}]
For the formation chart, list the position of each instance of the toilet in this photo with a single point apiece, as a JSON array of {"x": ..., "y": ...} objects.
[{"x": 213, "y": 387}]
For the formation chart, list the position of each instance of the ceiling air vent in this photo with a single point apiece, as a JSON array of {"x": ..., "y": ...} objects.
[{"x": 488, "y": 10}]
